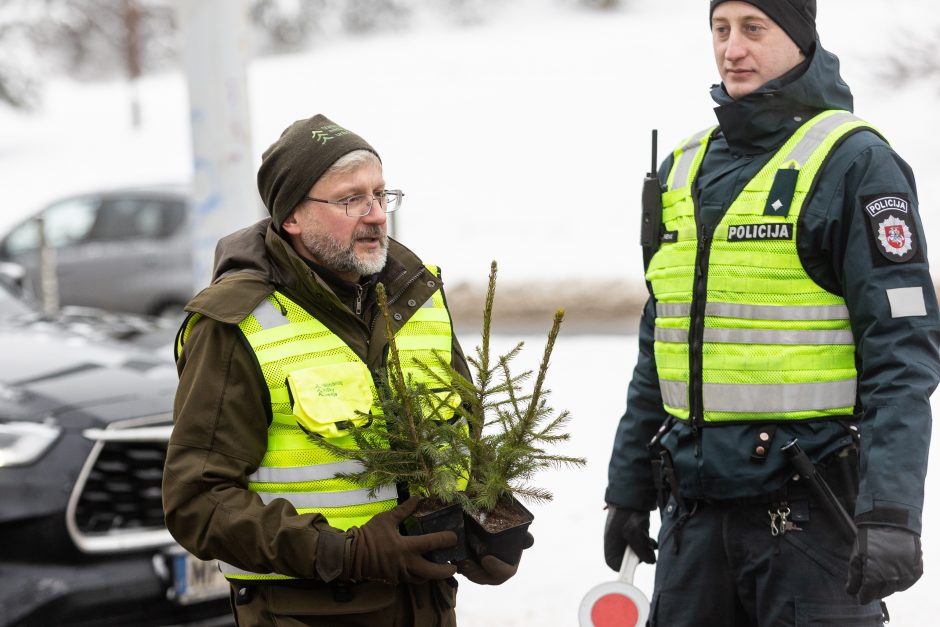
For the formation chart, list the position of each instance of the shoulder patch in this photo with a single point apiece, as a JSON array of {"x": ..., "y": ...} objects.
[
  {"x": 892, "y": 224},
  {"x": 875, "y": 205}
]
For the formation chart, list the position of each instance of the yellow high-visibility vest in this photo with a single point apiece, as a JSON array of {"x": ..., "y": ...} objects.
[
  {"x": 743, "y": 333},
  {"x": 318, "y": 385}
]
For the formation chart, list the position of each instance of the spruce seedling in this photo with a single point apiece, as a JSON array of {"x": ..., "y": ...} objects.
[
  {"x": 411, "y": 441},
  {"x": 510, "y": 430}
]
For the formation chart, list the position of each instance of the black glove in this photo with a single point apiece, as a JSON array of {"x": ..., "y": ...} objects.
[
  {"x": 380, "y": 553},
  {"x": 627, "y": 527},
  {"x": 885, "y": 560}
]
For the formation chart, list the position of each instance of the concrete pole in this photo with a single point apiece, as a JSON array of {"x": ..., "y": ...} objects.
[
  {"x": 215, "y": 54},
  {"x": 48, "y": 272}
]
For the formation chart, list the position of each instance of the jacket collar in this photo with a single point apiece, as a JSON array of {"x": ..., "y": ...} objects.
[
  {"x": 258, "y": 250},
  {"x": 255, "y": 260},
  {"x": 294, "y": 274},
  {"x": 764, "y": 119}
]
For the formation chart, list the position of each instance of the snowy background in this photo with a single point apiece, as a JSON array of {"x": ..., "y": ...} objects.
[{"x": 526, "y": 136}]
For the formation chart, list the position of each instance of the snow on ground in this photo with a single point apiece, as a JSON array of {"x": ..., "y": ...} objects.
[
  {"x": 527, "y": 136},
  {"x": 567, "y": 559}
]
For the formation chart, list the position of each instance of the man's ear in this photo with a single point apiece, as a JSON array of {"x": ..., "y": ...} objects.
[{"x": 290, "y": 225}]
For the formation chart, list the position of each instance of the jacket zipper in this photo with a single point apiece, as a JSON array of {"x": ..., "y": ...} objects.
[
  {"x": 393, "y": 298},
  {"x": 359, "y": 294},
  {"x": 697, "y": 325}
]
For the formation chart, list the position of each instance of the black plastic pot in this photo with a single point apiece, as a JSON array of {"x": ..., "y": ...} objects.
[
  {"x": 506, "y": 544},
  {"x": 448, "y": 518}
]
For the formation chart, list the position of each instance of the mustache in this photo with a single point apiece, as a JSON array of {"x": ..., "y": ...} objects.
[{"x": 370, "y": 231}]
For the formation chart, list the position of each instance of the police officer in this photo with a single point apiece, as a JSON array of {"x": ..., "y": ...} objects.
[
  {"x": 282, "y": 347},
  {"x": 790, "y": 298}
]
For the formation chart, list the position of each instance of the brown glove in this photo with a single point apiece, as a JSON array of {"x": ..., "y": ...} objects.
[
  {"x": 380, "y": 553},
  {"x": 491, "y": 571}
]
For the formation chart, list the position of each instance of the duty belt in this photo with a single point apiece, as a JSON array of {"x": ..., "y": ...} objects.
[{"x": 786, "y": 507}]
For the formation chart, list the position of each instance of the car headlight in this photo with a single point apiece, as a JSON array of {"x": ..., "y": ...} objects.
[{"x": 23, "y": 443}]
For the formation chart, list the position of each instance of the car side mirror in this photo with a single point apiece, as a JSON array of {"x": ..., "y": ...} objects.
[{"x": 13, "y": 274}]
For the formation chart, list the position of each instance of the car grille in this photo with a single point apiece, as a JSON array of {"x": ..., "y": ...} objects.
[
  {"x": 116, "y": 503},
  {"x": 122, "y": 491}
]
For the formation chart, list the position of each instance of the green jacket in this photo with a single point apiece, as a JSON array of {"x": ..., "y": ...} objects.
[
  {"x": 221, "y": 414},
  {"x": 896, "y": 356}
]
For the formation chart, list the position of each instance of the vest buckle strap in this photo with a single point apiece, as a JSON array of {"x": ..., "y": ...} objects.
[{"x": 762, "y": 443}]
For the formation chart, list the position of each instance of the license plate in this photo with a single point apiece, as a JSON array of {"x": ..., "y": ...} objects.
[{"x": 196, "y": 580}]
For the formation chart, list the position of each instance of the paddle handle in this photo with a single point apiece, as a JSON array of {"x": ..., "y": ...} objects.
[{"x": 628, "y": 567}]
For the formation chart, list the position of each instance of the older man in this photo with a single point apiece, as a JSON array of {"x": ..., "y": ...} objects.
[
  {"x": 790, "y": 300},
  {"x": 292, "y": 313}
]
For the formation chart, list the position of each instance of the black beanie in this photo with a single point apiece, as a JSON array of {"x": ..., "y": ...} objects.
[
  {"x": 796, "y": 17},
  {"x": 303, "y": 153}
]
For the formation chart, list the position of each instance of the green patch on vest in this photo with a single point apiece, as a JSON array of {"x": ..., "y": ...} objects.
[{"x": 781, "y": 193}]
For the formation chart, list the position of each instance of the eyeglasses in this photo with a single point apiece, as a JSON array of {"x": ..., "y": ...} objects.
[{"x": 361, "y": 204}]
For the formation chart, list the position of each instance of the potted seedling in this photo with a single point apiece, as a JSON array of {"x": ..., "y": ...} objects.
[
  {"x": 489, "y": 436},
  {"x": 414, "y": 440},
  {"x": 511, "y": 432}
]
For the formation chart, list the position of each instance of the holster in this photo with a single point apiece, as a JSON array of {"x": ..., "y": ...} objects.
[
  {"x": 667, "y": 485},
  {"x": 662, "y": 492},
  {"x": 669, "y": 482},
  {"x": 660, "y": 461}
]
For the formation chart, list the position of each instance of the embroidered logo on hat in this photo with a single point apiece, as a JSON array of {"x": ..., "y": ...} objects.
[{"x": 328, "y": 132}]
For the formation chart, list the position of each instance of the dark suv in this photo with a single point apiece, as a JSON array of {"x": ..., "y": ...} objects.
[{"x": 84, "y": 424}]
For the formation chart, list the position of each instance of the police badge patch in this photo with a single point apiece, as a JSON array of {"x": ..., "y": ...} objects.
[
  {"x": 895, "y": 237},
  {"x": 892, "y": 225}
]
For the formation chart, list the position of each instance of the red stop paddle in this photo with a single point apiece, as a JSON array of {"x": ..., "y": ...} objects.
[{"x": 616, "y": 603}]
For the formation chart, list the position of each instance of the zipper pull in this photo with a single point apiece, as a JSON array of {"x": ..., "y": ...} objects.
[
  {"x": 358, "y": 300},
  {"x": 703, "y": 238},
  {"x": 702, "y": 248}
]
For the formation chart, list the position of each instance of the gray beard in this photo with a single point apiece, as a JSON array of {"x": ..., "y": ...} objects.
[{"x": 340, "y": 257}]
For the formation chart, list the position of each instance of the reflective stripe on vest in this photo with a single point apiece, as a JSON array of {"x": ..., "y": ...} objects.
[
  {"x": 687, "y": 159},
  {"x": 291, "y": 348},
  {"x": 774, "y": 344}
]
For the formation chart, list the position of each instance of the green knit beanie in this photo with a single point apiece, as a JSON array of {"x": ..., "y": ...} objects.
[{"x": 296, "y": 161}]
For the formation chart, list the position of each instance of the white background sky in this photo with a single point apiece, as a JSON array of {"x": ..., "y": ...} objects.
[{"x": 522, "y": 139}]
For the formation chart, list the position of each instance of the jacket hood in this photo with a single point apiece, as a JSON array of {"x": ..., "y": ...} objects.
[
  {"x": 763, "y": 120},
  {"x": 244, "y": 251}
]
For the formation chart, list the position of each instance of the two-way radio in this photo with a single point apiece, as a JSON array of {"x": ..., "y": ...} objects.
[{"x": 652, "y": 205}]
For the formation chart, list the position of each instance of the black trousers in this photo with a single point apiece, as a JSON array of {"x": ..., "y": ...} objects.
[
  {"x": 721, "y": 566},
  {"x": 419, "y": 605}
]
